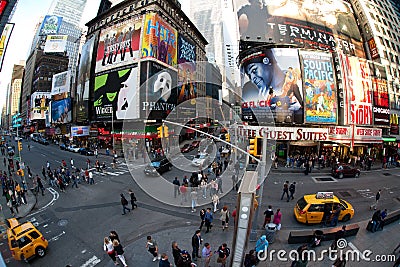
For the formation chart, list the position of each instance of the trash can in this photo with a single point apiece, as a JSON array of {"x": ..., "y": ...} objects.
[{"x": 270, "y": 232}]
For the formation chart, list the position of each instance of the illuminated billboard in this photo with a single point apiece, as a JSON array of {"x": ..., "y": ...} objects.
[
  {"x": 312, "y": 24},
  {"x": 159, "y": 40},
  {"x": 380, "y": 95},
  {"x": 40, "y": 102},
  {"x": 319, "y": 86},
  {"x": 114, "y": 94},
  {"x": 61, "y": 111},
  {"x": 271, "y": 81},
  {"x": 5, "y": 38},
  {"x": 61, "y": 83},
  {"x": 80, "y": 130},
  {"x": 55, "y": 43},
  {"x": 118, "y": 45},
  {"x": 50, "y": 25}
]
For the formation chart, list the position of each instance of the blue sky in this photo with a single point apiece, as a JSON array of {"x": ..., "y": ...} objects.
[{"x": 27, "y": 14}]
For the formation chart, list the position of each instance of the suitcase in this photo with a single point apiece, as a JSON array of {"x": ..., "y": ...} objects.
[{"x": 370, "y": 225}]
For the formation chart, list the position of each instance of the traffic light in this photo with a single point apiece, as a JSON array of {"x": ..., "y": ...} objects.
[
  {"x": 19, "y": 145},
  {"x": 253, "y": 147},
  {"x": 259, "y": 141},
  {"x": 228, "y": 138},
  {"x": 20, "y": 172},
  {"x": 160, "y": 132},
  {"x": 165, "y": 131}
]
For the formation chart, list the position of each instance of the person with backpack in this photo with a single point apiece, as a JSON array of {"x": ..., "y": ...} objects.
[
  {"x": 223, "y": 254},
  {"x": 124, "y": 204},
  {"x": 185, "y": 260},
  {"x": 250, "y": 259}
]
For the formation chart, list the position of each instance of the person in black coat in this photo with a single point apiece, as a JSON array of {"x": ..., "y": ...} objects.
[
  {"x": 164, "y": 262},
  {"x": 133, "y": 199},
  {"x": 196, "y": 241},
  {"x": 176, "y": 252}
]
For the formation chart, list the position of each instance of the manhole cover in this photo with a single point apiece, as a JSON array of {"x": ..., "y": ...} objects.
[
  {"x": 344, "y": 194},
  {"x": 327, "y": 179},
  {"x": 62, "y": 222},
  {"x": 386, "y": 174}
]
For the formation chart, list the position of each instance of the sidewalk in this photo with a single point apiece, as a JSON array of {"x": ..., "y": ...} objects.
[{"x": 24, "y": 209}]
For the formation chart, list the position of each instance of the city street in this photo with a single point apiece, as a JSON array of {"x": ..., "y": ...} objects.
[{"x": 75, "y": 222}]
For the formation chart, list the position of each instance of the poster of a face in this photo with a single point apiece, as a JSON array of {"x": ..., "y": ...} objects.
[
  {"x": 271, "y": 81},
  {"x": 159, "y": 40},
  {"x": 114, "y": 93},
  {"x": 50, "y": 25},
  {"x": 40, "y": 102},
  {"x": 158, "y": 91},
  {"x": 118, "y": 45},
  {"x": 320, "y": 87},
  {"x": 312, "y": 23},
  {"x": 358, "y": 84},
  {"x": 380, "y": 95},
  {"x": 61, "y": 111},
  {"x": 60, "y": 83}
]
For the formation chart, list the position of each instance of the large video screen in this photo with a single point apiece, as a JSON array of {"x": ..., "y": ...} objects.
[
  {"x": 40, "y": 102},
  {"x": 272, "y": 86},
  {"x": 313, "y": 24},
  {"x": 61, "y": 111}
]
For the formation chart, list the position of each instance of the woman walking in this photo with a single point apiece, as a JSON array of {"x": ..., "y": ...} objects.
[
  {"x": 224, "y": 217},
  {"x": 109, "y": 249},
  {"x": 176, "y": 252},
  {"x": 119, "y": 251}
]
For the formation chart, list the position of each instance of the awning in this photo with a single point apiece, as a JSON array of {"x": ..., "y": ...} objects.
[{"x": 303, "y": 143}]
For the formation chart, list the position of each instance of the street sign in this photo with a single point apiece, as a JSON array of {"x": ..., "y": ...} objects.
[{"x": 17, "y": 125}]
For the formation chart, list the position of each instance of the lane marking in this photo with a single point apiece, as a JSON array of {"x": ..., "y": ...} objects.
[
  {"x": 55, "y": 238},
  {"x": 93, "y": 261},
  {"x": 55, "y": 194}
]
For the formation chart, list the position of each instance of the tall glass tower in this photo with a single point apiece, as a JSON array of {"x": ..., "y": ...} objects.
[{"x": 70, "y": 10}]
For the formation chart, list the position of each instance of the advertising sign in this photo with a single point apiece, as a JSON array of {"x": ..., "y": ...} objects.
[
  {"x": 114, "y": 95},
  {"x": 373, "y": 50},
  {"x": 40, "y": 102},
  {"x": 394, "y": 124},
  {"x": 380, "y": 95},
  {"x": 358, "y": 85},
  {"x": 285, "y": 133},
  {"x": 158, "y": 95},
  {"x": 61, "y": 111},
  {"x": 320, "y": 88},
  {"x": 80, "y": 130},
  {"x": 159, "y": 40},
  {"x": 50, "y": 25},
  {"x": 186, "y": 70},
  {"x": 271, "y": 81},
  {"x": 118, "y": 45},
  {"x": 61, "y": 83},
  {"x": 313, "y": 24},
  {"x": 83, "y": 81},
  {"x": 3, "y": 5},
  {"x": 55, "y": 43},
  {"x": 5, "y": 37}
]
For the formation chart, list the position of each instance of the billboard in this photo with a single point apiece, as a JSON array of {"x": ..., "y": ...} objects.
[
  {"x": 159, "y": 40},
  {"x": 186, "y": 70},
  {"x": 271, "y": 81},
  {"x": 3, "y": 5},
  {"x": 158, "y": 91},
  {"x": 5, "y": 38},
  {"x": 118, "y": 45},
  {"x": 61, "y": 83},
  {"x": 50, "y": 25},
  {"x": 357, "y": 82},
  {"x": 82, "y": 87},
  {"x": 380, "y": 95},
  {"x": 312, "y": 24},
  {"x": 320, "y": 89},
  {"x": 61, "y": 111},
  {"x": 373, "y": 49},
  {"x": 114, "y": 94},
  {"x": 55, "y": 43},
  {"x": 40, "y": 102},
  {"x": 80, "y": 130}
]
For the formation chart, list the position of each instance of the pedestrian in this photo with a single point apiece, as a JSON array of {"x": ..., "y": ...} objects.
[
  {"x": 74, "y": 181},
  {"x": 277, "y": 219},
  {"x": 376, "y": 219},
  {"x": 215, "y": 200},
  {"x": 224, "y": 217},
  {"x": 377, "y": 197},
  {"x": 91, "y": 180},
  {"x": 164, "y": 262},
  {"x": 109, "y": 249},
  {"x": 340, "y": 260},
  {"x": 285, "y": 190},
  {"x": 183, "y": 190},
  {"x": 234, "y": 182},
  {"x": 39, "y": 184},
  {"x": 383, "y": 216},
  {"x": 114, "y": 236},
  {"x": 196, "y": 242},
  {"x": 72, "y": 163},
  {"x": 88, "y": 163},
  {"x": 119, "y": 252},
  {"x": 261, "y": 245},
  {"x": 48, "y": 165},
  {"x": 176, "y": 184},
  {"x": 219, "y": 182},
  {"x": 336, "y": 215},
  {"x": 64, "y": 164},
  {"x": 133, "y": 199},
  {"x": 43, "y": 171},
  {"x": 223, "y": 254},
  {"x": 250, "y": 260},
  {"x": 185, "y": 260},
  {"x": 96, "y": 153},
  {"x": 152, "y": 247},
  {"x": 176, "y": 252},
  {"x": 338, "y": 235},
  {"x": 124, "y": 204},
  {"x": 206, "y": 253},
  {"x": 193, "y": 198},
  {"x": 234, "y": 216},
  {"x": 292, "y": 189},
  {"x": 268, "y": 215},
  {"x": 208, "y": 218},
  {"x": 202, "y": 218}
]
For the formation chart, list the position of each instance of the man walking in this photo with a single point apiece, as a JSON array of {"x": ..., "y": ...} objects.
[
  {"x": 152, "y": 247},
  {"x": 208, "y": 218},
  {"x": 377, "y": 197},
  {"x": 124, "y": 204},
  {"x": 196, "y": 242},
  {"x": 206, "y": 253},
  {"x": 91, "y": 180},
  {"x": 285, "y": 190},
  {"x": 292, "y": 189},
  {"x": 268, "y": 215},
  {"x": 176, "y": 184}
]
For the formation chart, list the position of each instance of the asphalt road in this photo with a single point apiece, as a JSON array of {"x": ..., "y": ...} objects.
[{"x": 75, "y": 222}]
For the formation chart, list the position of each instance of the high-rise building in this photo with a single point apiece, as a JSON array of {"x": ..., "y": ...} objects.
[
  {"x": 16, "y": 86},
  {"x": 70, "y": 10}
]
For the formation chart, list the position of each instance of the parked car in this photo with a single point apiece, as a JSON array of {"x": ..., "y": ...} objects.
[
  {"x": 344, "y": 170},
  {"x": 73, "y": 148},
  {"x": 63, "y": 146},
  {"x": 10, "y": 151},
  {"x": 43, "y": 141},
  {"x": 186, "y": 148},
  {"x": 310, "y": 208},
  {"x": 201, "y": 159},
  {"x": 86, "y": 151},
  {"x": 156, "y": 166}
]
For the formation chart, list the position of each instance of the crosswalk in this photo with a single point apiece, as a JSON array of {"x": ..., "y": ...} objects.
[{"x": 120, "y": 169}]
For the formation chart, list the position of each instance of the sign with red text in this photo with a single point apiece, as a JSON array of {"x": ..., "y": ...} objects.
[
  {"x": 380, "y": 95},
  {"x": 367, "y": 135},
  {"x": 285, "y": 133}
]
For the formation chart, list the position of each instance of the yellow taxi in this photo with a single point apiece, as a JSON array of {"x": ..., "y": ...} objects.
[
  {"x": 25, "y": 241},
  {"x": 310, "y": 209}
]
